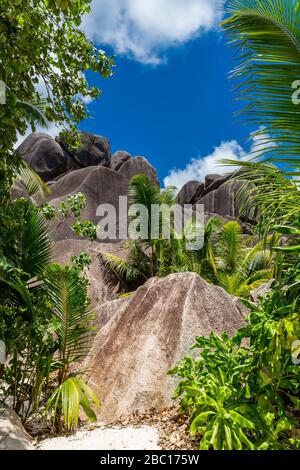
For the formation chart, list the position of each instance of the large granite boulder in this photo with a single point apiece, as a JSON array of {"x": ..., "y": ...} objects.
[
  {"x": 147, "y": 333},
  {"x": 137, "y": 166},
  {"x": 99, "y": 184},
  {"x": 94, "y": 150},
  {"x": 190, "y": 193},
  {"x": 214, "y": 181},
  {"x": 118, "y": 159},
  {"x": 12, "y": 434}
]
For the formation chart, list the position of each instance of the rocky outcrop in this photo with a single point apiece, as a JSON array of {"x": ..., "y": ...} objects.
[
  {"x": 99, "y": 184},
  {"x": 222, "y": 201},
  {"x": 137, "y": 166},
  {"x": 51, "y": 158},
  {"x": 68, "y": 171},
  {"x": 190, "y": 193},
  {"x": 221, "y": 197},
  {"x": 99, "y": 289},
  {"x": 12, "y": 434},
  {"x": 118, "y": 159},
  {"x": 45, "y": 156},
  {"x": 147, "y": 333}
]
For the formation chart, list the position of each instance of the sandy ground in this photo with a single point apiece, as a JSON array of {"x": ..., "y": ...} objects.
[{"x": 128, "y": 438}]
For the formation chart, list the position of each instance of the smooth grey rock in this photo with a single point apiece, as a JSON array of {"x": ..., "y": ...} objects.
[{"x": 137, "y": 166}]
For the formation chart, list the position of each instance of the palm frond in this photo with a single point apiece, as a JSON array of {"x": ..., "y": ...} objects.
[
  {"x": 143, "y": 191},
  {"x": 230, "y": 245},
  {"x": 126, "y": 270},
  {"x": 268, "y": 191},
  {"x": 168, "y": 196},
  {"x": 267, "y": 35}
]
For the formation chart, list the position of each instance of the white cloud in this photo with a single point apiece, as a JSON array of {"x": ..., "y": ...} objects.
[
  {"x": 199, "y": 167},
  {"x": 144, "y": 29}
]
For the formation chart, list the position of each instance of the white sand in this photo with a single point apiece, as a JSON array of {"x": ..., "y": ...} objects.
[{"x": 130, "y": 438}]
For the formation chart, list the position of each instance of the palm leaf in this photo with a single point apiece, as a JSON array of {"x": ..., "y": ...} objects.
[
  {"x": 230, "y": 245},
  {"x": 124, "y": 269},
  {"x": 269, "y": 192}
]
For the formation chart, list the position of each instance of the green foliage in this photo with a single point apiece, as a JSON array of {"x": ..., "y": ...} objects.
[
  {"x": 243, "y": 392},
  {"x": 85, "y": 228},
  {"x": 40, "y": 40},
  {"x": 67, "y": 291},
  {"x": 45, "y": 318},
  {"x": 269, "y": 192},
  {"x": 239, "y": 396},
  {"x": 34, "y": 185},
  {"x": 69, "y": 210},
  {"x": 224, "y": 259},
  {"x": 74, "y": 205}
]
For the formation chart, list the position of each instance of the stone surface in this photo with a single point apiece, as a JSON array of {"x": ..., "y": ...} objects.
[
  {"x": 45, "y": 156},
  {"x": 98, "y": 290},
  {"x": 213, "y": 182},
  {"x": 118, "y": 159},
  {"x": 51, "y": 158},
  {"x": 155, "y": 327},
  {"x": 223, "y": 200},
  {"x": 190, "y": 193},
  {"x": 136, "y": 166},
  {"x": 99, "y": 184},
  {"x": 95, "y": 150},
  {"x": 12, "y": 434}
]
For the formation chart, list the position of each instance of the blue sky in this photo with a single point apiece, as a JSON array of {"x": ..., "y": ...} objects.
[{"x": 170, "y": 98}]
